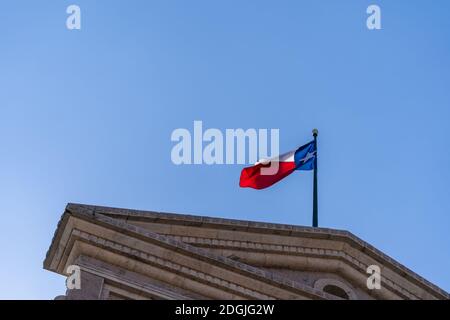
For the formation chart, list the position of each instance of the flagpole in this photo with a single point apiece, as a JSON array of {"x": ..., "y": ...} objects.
[{"x": 315, "y": 223}]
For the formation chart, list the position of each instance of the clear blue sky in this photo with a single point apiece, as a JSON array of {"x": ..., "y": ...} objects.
[{"x": 86, "y": 116}]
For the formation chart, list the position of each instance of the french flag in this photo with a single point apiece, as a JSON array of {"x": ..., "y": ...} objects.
[{"x": 267, "y": 172}]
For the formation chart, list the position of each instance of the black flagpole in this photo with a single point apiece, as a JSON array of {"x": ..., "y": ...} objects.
[{"x": 315, "y": 210}]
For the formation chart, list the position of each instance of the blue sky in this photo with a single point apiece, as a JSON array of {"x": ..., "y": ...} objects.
[{"x": 86, "y": 116}]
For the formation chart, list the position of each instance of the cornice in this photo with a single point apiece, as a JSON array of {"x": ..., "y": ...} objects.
[
  {"x": 202, "y": 254},
  {"x": 292, "y": 250},
  {"x": 248, "y": 226},
  {"x": 168, "y": 265}
]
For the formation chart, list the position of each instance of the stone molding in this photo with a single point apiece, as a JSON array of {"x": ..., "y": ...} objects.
[
  {"x": 262, "y": 227},
  {"x": 118, "y": 276},
  {"x": 169, "y": 265},
  {"x": 322, "y": 283},
  {"x": 292, "y": 250},
  {"x": 148, "y": 236},
  {"x": 119, "y": 220}
]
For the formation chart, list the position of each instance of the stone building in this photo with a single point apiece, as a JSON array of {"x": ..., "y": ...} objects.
[{"x": 130, "y": 254}]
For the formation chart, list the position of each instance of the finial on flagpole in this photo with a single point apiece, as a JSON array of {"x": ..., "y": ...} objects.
[{"x": 315, "y": 132}]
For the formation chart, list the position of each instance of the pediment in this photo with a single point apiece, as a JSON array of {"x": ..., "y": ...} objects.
[{"x": 292, "y": 261}]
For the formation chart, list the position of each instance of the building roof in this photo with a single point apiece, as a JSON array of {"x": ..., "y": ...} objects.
[{"x": 127, "y": 217}]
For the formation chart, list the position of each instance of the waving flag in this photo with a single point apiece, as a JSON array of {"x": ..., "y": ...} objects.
[{"x": 260, "y": 176}]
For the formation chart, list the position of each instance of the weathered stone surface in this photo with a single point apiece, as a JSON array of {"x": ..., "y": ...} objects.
[{"x": 131, "y": 254}]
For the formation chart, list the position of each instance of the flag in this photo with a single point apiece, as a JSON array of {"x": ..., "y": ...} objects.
[{"x": 260, "y": 176}]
